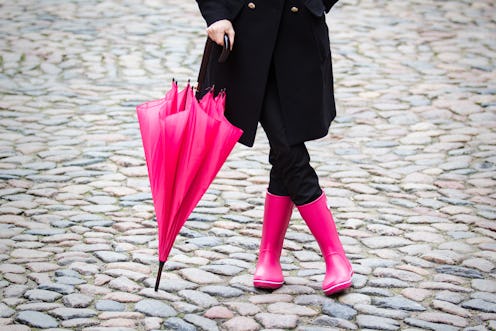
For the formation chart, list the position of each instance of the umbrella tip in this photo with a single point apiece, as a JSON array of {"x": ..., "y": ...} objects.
[{"x": 159, "y": 274}]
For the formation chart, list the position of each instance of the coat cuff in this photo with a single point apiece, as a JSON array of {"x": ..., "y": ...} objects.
[
  {"x": 212, "y": 11},
  {"x": 328, "y": 4}
]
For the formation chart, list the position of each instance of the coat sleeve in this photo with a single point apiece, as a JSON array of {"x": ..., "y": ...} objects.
[
  {"x": 328, "y": 4},
  {"x": 213, "y": 10}
]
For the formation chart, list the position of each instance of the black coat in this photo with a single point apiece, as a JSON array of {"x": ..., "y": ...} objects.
[{"x": 291, "y": 35}]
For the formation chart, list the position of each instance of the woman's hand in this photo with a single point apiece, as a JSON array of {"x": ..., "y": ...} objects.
[{"x": 217, "y": 30}]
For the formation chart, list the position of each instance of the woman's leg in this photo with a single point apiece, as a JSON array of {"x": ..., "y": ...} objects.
[
  {"x": 277, "y": 212},
  {"x": 293, "y": 175},
  {"x": 321, "y": 223}
]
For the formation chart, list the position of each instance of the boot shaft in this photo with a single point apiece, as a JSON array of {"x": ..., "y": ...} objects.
[
  {"x": 319, "y": 220},
  {"x": 277, "y": 213}
]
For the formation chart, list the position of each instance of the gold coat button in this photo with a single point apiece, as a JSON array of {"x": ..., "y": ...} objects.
[
  {"x": 251, "y": 5},
  {"x": 294, "y": 9}
]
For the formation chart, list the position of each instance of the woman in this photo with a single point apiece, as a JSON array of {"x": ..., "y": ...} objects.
[{"x": 279, "y": 73}]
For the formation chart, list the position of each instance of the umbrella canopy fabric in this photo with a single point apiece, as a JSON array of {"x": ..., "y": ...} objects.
[{"x": 186, "y": 141}]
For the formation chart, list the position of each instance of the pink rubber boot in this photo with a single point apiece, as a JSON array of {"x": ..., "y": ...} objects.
[
  {"x": 277, "y": 212},
  {"x": 338, "y": 269}
]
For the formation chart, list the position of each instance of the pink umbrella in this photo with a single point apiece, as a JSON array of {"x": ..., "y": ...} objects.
[{"x": 185, "y": 142}]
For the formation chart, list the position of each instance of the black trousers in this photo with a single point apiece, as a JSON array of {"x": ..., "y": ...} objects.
[{"x": 291, "y": 174}]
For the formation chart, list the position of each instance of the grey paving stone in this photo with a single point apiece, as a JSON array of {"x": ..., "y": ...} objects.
[
  {"x": 109, "y": 305},
  {"x": 480, "y": 305},
  {"x": 79, "y": 323},
  {"x": 57, "y": 287},
  {"x": 375, "y": 291},
  {"x": 352, "y": 299},
  {"x": 185, "y": 307},
  {"x": 77, "y": 300},
  {"x": 201, "y": 322},
  {"x": 16, "y": 327},
  {"x": 70, "y": 280},
  {"x": 224, "y": 270},
  {"x": 248, "y": 257},
  {"x": 290, "y": 308},
  {"x": 375, "y": 322},
  {"x": 311, "y": 300},
  {"x": 443, "y": 318},
  {"x": 385, "y": 242},
  {"x": 398, "y": 302},
  {"x": 221, "y": 291},
  {"x": 154, "y": 308},
  {"x": 93, "y": 224},
  {"x": 452, "y": 297},
  {"x": 295, "y": 290},
  {"x": 205, "y": 241},
  {"x": 277, "y": 321},
  {"x": 382, "y": 312},
  {"x": 124, "y": 284},
  {"x": 38, "y": 306},
  {"x": 338, "y": 310},
  {"x": 199, "y": 276},
  {"x": 6, "y": 311},
  {"x": 45, "y": 232},
  {"x": 91, "y": 247},
  {"x": 326, "y": 321},
  {"x": 429, "y": 325},
  {"x": 235, "y": 262},
  {"x": 67, "y": 273},
  {"x": 375, "y": 262},
  {"x": 129, "y": 274},
  {"x": 399, "y": 274},
  {"x": 199, "y": 298},
  {"x": 459, "y": 271},
  {"x": 313, "y": 328},
  {"x": 445, "y": 286},
  {"x": 491, "y": 297},
  {"x": 37, "y": 319},
  {"x": 484, "y": 285},
  {"x": 71, "y": 313},
  {"x": 388, "y": 283},
  {"x": 103, "y": 328},
  {"x": 42, "y": 295},
  {"x": 176, "y": 323},
  {"x": 244, "y": 242}
]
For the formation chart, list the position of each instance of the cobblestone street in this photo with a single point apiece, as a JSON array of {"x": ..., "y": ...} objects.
[{"x": 409, "y": 167}]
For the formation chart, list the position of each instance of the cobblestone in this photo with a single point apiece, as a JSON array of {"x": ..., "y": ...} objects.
[
  {"x": 338, "y": 310},
  {"x": 154, "y": 308},
  {"x": 37, "y": 319},
  {"x": 409, "y": 167}
]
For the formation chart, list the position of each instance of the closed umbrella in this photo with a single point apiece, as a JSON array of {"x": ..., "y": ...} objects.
[{"x": 186, "y": 141}]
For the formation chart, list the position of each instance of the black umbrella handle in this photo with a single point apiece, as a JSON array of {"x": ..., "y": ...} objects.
[
  {"x": 225, "y": 50},
  {"x": 209, "y": 44}
]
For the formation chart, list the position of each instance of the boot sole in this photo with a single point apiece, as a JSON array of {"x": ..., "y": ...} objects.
[
  {"x": 267, "y": 284},
  {"x": 338, "y": 287}
]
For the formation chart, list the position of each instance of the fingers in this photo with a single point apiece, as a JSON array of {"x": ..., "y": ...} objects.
[
  {"x": 230, "y": 34},
  {"x": 217, "y": 30}
]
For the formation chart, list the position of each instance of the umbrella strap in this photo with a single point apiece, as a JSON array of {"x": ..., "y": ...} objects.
[
  {"x": 209, "y": 44},
  {"x": 204, "y": 63}
]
